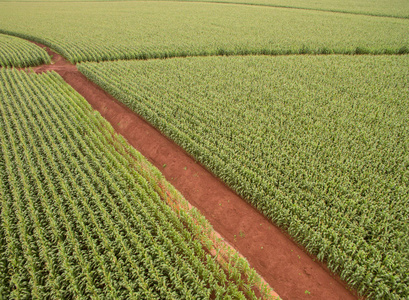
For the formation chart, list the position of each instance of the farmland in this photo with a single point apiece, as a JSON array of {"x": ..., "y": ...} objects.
[
  {"x": 317, "y": 143},
  {"x": 83, "y": 214},
  {"x": 16, "y": 52},
  {"x": 297, "y": 110},
  {"x": 390, "y": 8},
  {"x": 387, "y": 8},
  {"x": 128, "y": 30}
]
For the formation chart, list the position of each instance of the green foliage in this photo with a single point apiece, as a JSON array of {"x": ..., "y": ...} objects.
[
  {"x": 319, "y": 144},
  {"x": 100, "y": 31},
  {"x": 83, "y": 214},
  {"x": 386, "y": 8},
  {"x": 16, "y": 52}
]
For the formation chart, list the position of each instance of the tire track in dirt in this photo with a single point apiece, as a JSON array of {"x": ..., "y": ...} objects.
[{"x": 284, "y": 264}]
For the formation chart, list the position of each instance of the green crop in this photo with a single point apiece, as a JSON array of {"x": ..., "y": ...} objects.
[
  {"x": 83, "y": 215},
  {"x": 319, "y": 144},
  {"x": 100, "y": 31},
  {"x": 16, "y": 52},
  {"x": 386, "y": 8}
]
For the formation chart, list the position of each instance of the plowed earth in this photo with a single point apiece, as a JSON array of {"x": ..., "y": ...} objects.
[{"x": 284, "y": 264}]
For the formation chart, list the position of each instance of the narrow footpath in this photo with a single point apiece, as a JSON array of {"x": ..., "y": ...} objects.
[{"x": 284, "y": 264}]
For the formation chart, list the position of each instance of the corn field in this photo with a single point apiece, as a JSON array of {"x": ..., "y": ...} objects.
[
  {"x": 160, "y": 29},
  {"x": 83, "y": 215},
  {"x": 318, "y": 144},
  {"x": 16, "y": 52},
  {"x": 381, "y": 8}
]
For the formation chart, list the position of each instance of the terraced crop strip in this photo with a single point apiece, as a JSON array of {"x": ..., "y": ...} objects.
[
  {"x": 82, "y": 214},
  {"x": 319, "y": 144},
  {"x": 128, "y": 30},
  {"x": 16, "y": 52}
]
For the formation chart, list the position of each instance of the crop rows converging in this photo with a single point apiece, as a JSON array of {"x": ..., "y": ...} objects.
[
  {"x": 140, "y": 30},
  {"x": 83, "y": 215},
  {"x": 319, "y": 144},
  {"x": 16, "y": 52}
]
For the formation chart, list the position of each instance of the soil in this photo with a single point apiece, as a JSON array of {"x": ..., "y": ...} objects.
[{"x": 284, "y": 264}]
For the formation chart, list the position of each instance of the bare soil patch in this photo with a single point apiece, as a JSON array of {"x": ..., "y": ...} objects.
[{"x": 293, "y": 273}]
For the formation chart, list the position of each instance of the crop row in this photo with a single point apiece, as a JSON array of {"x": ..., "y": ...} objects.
[
  {"x": 16, "y": 52},
  {"x": 319, "y": 144},
  {"x": 140, "y": 30},
  {"x": 83, "y": 214}
]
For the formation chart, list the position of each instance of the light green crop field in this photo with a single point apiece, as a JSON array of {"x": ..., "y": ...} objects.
[
  {"x": 319, "y": 144},
  {"x": 387, "y": 8},
  {"x": 95, "y": 31},
  {"x": 83, "y": 215},
  {"x": 16, "y": 52},
  {"x": 390, "y": 8}
]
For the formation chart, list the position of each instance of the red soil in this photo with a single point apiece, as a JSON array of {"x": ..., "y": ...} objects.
[{"x": 284, "y": 264}]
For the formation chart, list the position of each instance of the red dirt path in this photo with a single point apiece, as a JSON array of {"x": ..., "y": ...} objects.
[{"x": 281, "y": 262}]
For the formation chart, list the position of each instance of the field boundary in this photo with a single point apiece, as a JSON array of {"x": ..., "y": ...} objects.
[{"x": 224, "y": 253}]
